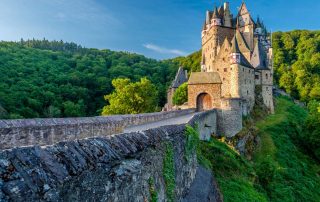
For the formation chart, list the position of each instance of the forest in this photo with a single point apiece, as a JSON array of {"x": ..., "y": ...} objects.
[
  {"x": 297, "y": 70},
  {"x": 41, "y": 78}
]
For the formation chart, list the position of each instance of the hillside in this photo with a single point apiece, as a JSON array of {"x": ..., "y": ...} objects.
[
  {"x": 279, "y": 171},
  {"x": 57, "y": 79}
]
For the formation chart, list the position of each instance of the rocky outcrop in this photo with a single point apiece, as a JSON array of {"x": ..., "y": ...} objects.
[{"x": 203, "y": 188}]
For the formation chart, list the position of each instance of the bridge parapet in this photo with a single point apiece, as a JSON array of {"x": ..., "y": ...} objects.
[
  {"x": 121, "y": 167},
  {"x": 28, "y": 132},
  {"x": 206, "y": 123}
]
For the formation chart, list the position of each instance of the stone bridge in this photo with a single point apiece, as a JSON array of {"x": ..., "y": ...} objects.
[{"x": 116, "y": 158}]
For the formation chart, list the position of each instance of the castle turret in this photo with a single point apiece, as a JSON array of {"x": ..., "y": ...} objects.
[
  {"x": 215, "y": 20},
  {"x": 235, "y": 56},
  {"x": 227, "y": 18},
  {"x": 208, "y": 18},
  {"x": 245, "y": 25},
  {"x": 203, "y": 64},
  {"x": 235, "y": 61},
  {"x": 258, "y": 29}
]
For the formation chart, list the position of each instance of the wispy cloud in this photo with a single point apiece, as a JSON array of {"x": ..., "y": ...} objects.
[{"x": 164, "y": 50}]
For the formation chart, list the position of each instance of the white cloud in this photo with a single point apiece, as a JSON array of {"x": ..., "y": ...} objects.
[{"x": 164, "y": 50}]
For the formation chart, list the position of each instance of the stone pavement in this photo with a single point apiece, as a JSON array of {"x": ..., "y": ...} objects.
[{"x": 171, "y": 121}]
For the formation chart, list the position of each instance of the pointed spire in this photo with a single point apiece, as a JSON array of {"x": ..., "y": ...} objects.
[
  {"x": 215, "y": 12},
  {"x": 235, "y": 46},
  {"x": 243, "y": 9},
  {"x": 221, "y": 11},
  {"x": 208, "y": 17},
  {"x": 258, "y": 24},
  {"x": 259, "y": 57}
]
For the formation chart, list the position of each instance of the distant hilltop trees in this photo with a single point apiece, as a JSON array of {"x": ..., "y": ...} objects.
[{"x": 41, "y": 78}]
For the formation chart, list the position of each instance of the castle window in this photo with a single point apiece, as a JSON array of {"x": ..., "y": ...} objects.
[
  {"x": 256, "y": 76},
  {"x": 266, "y": 76},
  {"x": 249, "y": 71},
  {"x": 225, "y": 70},
  {"x": 224, "y": 79},
  {"x": 247, "y": 92},
  {"x": 231, "y": 69}
]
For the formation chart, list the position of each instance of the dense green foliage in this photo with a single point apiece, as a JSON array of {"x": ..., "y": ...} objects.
[
  {"x": 131, "y": 97},
  {"x": 56, "y": 79},
  {"x": 191, "y": 62},
  {"x": 181, "y": 95},
  {"x": 310, "y": 139},
  {"x": 169, "y": 172},
  {"x": 297, "y": 63},
  {"x": 192, "y": 141},
  {"x": 279, "y": 171},
  {"x": 297, "y": 68}
]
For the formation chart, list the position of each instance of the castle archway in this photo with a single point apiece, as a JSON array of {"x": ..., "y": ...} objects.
[{"x": 204, "y": 102}]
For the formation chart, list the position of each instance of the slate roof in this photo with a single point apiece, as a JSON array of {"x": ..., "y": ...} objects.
[
  {"x": 215, "y": 13},
  {"x": 259, "y": 57},
  {"x": 180, "y": 78},
  {"x": 204, "y": 78},
  {"x": 236, "y": 49}
]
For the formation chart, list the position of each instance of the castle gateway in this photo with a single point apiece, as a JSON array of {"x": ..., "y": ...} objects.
[{"x": 236, "y": 64}]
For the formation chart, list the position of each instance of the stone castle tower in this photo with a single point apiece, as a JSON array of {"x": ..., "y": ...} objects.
[{"x": 236, "y": 60}]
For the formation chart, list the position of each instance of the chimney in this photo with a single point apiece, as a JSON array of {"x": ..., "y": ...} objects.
[{"x": 226, "y": 6}]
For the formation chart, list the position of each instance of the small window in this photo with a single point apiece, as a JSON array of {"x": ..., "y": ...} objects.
[
  {"x": 257, "y": 77},
  {"x": 247, "y": 92},
  {"x": 224, "y": 79},
  {"x": 266, "y": 76},
  {"x": 243, "y": 69},
  {"x": 225, "y": 70}
]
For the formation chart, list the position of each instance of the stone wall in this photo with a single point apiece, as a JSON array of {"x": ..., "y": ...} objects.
[
  {"x": 230, "y": 117},
  {"x": 212, "y": 40},
  {"x": 214, "y": 90},
  {"x": 247, "y": 85},
  {"x": 206, "y": 123},
  {"x": 267, "y": 89},
  {"x": 26, "y": 132},
  {"x": 123, "y": 167}
]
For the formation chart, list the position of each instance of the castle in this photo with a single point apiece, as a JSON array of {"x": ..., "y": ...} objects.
[{"x": 236, "y": 61}]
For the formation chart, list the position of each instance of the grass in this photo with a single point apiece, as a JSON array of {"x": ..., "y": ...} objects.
[
  {"x": 279, "y": 170},
  {"x": 294, "y": 177},
  {"x": 169, "y": 172}
]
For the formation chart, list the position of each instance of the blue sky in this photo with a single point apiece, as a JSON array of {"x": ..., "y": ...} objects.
[{"x": 156, "y": 28}]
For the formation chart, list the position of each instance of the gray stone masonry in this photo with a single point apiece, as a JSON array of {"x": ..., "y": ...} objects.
[
  {"x": 28, "y": 132},
  {"x": 109, "y": 168}
]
